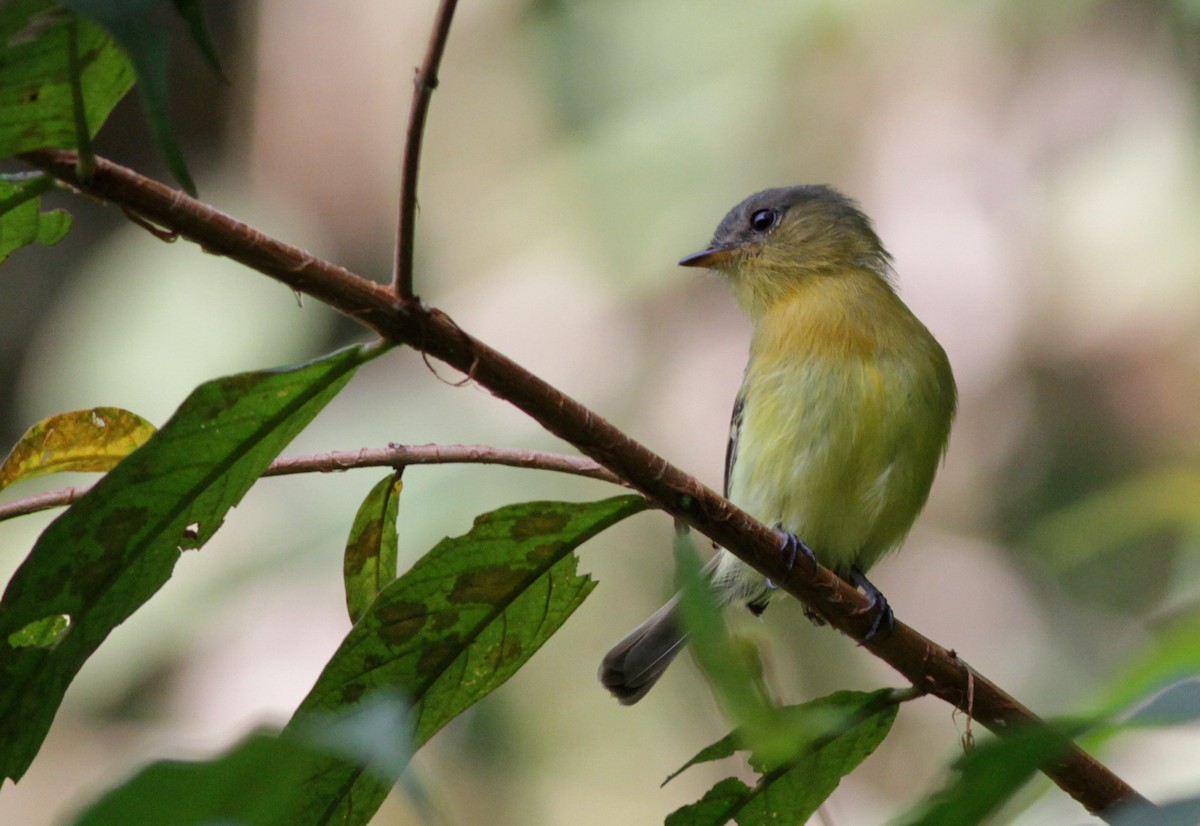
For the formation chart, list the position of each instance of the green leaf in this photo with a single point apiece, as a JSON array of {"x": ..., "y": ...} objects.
[
  {"x": 257, "y": 782},
  {"x": 251, "y": 784},
  {"x": 22, "y": 221},
  {"x": 732, "y": 665},
  {"x": 83, "y": 440},
  {"x": 36, "y": 103},
  {"x": 43, "y": 633},
  {"x": 716, "y": 807},
  {"x": 114, "y": 548},
  {"x": 1159, "y": 687},
  {"x": 987, "y": 776},
  {"x": 800, "y": 752},
  {"x": 131, "y": 24},
  {"x": 1119, "y": 517},
  {"x": 829, "y": 737},
  {"x": 370, "y": 560},
  {"x": 1174, "y": 657},
  {"x": 454, "y": 628},
  {"x": 727, "y": 746},
  {"x": 192, "y": 11}
]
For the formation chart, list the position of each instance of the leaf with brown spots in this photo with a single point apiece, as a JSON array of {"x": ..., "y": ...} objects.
[
  {"x": 454, "y": 628},
  {"x": 370, "y": 560},
  {"x": 114, "y": 548},
  {"x": 83, "y": 440}
]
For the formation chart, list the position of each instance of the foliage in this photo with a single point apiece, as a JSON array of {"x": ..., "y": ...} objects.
[
  {"x": 83, "y": 440},
  {"x": 455, "y": 627},
  {"x": 825, "y": 740},
  {"x": 21, "y": 221},
  {"x": 370, "y": 561},
  {"x": 102, "y": 559},
  {"x": 427, "y": 644}
]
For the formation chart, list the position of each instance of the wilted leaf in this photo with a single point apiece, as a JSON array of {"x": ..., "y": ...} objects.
[
  {"x": 83, "y": 440},
  {"x": 114, "y": 548}
]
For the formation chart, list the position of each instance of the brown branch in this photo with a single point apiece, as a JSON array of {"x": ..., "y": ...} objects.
[
  {"x": 42, "y": 502},
  {"x": 390, "y": 456},
  {"x": 396, "y": 455},
  {"x": 424, "y": 82},
  {"x": 927, "y": 665}
]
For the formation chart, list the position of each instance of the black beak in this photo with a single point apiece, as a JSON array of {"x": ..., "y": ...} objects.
[{"x": 711, "y": 257}]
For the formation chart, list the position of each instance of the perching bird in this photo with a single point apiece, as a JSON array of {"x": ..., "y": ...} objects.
[{"x": 843, "y": 414}]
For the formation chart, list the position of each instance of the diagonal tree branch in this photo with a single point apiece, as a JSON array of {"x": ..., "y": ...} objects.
[
  {"x": 424, "y": 82},
  {"x": 927, "y": 665},
  {"x": 390, "y": 456}
]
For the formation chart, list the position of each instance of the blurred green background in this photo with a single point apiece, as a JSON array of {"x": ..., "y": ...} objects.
[{"x": 1033, "y": 167}]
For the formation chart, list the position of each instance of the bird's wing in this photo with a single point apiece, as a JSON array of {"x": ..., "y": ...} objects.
[{"x": 731, "y": 447}]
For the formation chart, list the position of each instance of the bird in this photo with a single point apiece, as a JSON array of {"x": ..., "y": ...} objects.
[{"x": 842, "y": 418}]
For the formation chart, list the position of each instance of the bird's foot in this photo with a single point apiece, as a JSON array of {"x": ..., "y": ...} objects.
[
  {"x": 792, "y": 548},
  {"x": 877, "y": 604}
]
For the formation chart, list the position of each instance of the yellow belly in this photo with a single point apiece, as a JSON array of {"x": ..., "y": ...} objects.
[
  {"x": 835, "y": 456},
  {"x": 843, "y": 427}
]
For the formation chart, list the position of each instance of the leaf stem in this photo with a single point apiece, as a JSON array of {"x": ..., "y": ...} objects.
[{"x": 83, "y": 134}]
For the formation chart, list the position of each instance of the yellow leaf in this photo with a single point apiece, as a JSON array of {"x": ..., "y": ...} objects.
[{"x": 84, "y": 440}]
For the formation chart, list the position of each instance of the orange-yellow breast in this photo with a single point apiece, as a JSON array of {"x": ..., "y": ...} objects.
[{"x": 847, "y": 404}]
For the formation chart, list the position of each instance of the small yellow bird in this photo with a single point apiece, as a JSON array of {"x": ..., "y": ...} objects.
[{"x": 843, "y": 414}]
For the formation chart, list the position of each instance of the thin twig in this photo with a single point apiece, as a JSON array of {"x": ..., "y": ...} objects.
[
  {"x": 922, "y": 661},
  {"x": 390, "y": 456},
  {"x": 424, "y": 82},
  {"x": 42, "y": 502}
]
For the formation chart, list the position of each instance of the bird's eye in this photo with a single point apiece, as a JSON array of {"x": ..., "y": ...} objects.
[{"x": 764, "y": 219}]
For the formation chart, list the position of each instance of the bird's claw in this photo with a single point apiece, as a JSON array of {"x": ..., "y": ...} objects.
[
  {"x": 877, "y": 604},
  {"x": 792, "y": 546}
]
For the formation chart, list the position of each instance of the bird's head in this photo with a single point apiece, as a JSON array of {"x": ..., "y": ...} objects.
[{"x": 770, "y": 242}]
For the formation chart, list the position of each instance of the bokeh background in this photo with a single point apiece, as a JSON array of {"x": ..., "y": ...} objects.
[{"x": 1032, "y": 166}]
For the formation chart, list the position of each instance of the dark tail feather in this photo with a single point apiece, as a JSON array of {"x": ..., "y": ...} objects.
[{"x": 634, "y": 664}]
